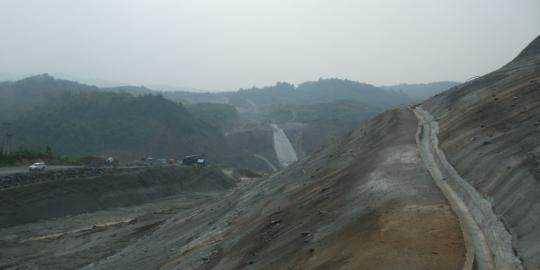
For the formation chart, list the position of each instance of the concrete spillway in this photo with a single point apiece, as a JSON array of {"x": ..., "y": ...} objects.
[{"x": 283, "y": 147}]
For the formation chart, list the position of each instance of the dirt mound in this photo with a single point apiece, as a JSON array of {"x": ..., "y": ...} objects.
[
  {"x": 490, "y": 132},
  {"x": 72, "y": 193}
]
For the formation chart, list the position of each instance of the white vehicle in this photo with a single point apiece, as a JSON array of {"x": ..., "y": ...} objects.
[{"x": 38, "y": 166}]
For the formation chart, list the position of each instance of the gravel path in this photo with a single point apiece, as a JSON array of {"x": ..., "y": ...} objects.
[
  {"x": 486, "y": 235},
  {"x": 24, "y": 169}
]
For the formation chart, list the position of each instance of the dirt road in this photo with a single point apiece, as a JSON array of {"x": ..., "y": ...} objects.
[
  {"x": 270, "y": 165},
  {"x": 23, "y": 169},
  {"x": 489, "y": 244}
]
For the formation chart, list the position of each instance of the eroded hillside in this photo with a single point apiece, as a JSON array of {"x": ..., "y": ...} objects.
[
  {"x": 490, "y": 132},
  {"x": 366, "y": 201}
]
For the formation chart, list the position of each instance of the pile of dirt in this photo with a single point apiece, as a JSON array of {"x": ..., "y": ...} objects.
[
  {"x": 72, "y": 193},
  {"x": 490, "y": 132}
]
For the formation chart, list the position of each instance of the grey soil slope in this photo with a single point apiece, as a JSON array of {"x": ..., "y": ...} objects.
[
  {"x": 365, "y": 202},
  {"x": 127, "y": 187},
  {"x": 24, "y": 169},
  {"x": 489, "y": 244},
  {"x": 69, "y": 222},
  {"x": 490, "y": 132}
]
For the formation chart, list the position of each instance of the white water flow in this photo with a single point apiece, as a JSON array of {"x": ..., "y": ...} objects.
[{"x": 283, "y": 147}]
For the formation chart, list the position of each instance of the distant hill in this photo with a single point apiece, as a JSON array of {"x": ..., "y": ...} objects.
[
  {"x": 131, "y": 122},
  {"x": 133, "y": 90},
  {"x": 326, "y": 108},
  {"x": 312, "y": 92},
  {"x": 323, "y": 121},
  {"x": 174, "y": 88},
  {"x": 88, "y": 81},
  {"x": 77, "y": 119},
  {"x": 312, "y": 113},
  {"x": 422, "y": 91}
]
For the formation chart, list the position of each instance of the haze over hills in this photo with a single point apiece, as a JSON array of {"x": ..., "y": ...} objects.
[
  {"x": 98, "y": 82},
  {"x": 88, "y": 121},
  {"x": 133, "y": 122},
  {"x": 421, "y": 91},
  {"x": 311, "y": 92},
  {"x": 312, "y": 113}
]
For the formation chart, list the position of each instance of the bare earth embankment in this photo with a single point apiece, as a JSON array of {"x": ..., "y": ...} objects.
[
  {"x": 365, "y": 202},
  {"x": 489, "y": 129},
  {"x": 75, "y": 217},
  {"x": 488, "y": 243}
]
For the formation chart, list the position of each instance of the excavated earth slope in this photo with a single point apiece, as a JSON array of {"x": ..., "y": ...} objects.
[
  {"x": 78, "y": 216},
  {"x": 365, "y": 202},
  {"x": 490, "y": 132},
  {"x": 73, "y": 194}
]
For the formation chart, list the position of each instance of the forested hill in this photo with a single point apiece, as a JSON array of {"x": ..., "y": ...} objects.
[
  {"x": 230, "y": 127},
  {"x": 321, "y": 91},
  {"x": 307, "y": 93},
  {"x": 76, "y": 119}
]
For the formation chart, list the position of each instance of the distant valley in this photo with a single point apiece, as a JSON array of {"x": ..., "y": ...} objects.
[{"x": 131, "y": 122}]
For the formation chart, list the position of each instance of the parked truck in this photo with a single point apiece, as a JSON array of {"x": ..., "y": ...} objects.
[{"x": 195, "y": 161}]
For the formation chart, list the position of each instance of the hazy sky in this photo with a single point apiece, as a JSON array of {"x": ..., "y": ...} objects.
[{"x": 228, "y": 44}]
